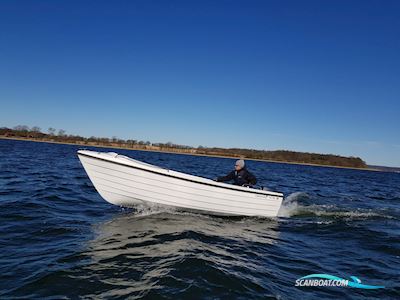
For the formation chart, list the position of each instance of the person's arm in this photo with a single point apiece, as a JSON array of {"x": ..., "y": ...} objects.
[
  {"x": 228, "y": 177},
  {"x": 251, "y": 178}
]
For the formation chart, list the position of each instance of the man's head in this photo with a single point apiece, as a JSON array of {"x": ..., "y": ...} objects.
[{"x": 239, "y": 164}]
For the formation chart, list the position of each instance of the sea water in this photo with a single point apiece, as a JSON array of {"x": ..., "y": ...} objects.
[{"x": 60, "y": 239}]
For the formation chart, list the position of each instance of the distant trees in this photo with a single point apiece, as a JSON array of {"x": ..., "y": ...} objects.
[
  {"x": 35, "y": 132},
  {"x": 21, "y": 128},
  {"x": 51, "y": 131},
  {"x": 4, "y": 131},
  {"x": 23, "y": 131},
  {"x": 131, "y": 143},
  {"x": 36, "y": 129}
]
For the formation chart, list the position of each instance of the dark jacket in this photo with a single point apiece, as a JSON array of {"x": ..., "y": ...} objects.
[{"x": 241, "y": 177}]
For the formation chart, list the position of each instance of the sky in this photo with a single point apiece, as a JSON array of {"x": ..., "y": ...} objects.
[{"x": 313, "y": 76}]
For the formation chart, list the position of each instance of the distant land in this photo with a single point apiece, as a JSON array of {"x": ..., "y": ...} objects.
[
  {"x": 284, "y": 156},
  {"x": 384, "y": 169}
]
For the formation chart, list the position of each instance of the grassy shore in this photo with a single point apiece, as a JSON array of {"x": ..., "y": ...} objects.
[{"x": 178, "y": 151}]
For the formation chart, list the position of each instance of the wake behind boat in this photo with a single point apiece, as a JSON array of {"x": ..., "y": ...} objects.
[{"x": 124, "y": 181}]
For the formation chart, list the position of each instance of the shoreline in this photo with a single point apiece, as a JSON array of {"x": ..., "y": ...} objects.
[{"x": 183, "y": 153}]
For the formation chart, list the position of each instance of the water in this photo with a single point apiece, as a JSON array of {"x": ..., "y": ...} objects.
[{"x": 60, "y": 239}]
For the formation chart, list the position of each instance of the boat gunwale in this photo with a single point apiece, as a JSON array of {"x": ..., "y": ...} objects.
[{"x": 264, "y": 193}]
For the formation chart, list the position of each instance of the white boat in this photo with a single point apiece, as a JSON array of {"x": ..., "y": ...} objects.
[{"x": 124, "y": 181}]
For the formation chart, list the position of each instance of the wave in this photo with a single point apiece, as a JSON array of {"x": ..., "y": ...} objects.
[
  {"x": 290, "y": 205},
  {"x": 294, "y": 206},
  {"x": 150, "y": 209}
]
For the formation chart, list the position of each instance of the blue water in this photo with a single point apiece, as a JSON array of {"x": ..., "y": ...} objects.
[{"x": 60, "y": 239}]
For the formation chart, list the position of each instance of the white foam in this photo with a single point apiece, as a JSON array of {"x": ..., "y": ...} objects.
[
  {"x": 147, "y": 210},
  {"x": 356, "y": 214},
  {"x": 290, "y": 205}
]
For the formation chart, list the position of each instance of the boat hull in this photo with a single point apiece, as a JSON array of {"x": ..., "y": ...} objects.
[{"x": 127, "y": 182}]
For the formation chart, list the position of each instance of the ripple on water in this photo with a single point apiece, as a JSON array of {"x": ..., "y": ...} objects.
[{"x": 60, "y": 238}]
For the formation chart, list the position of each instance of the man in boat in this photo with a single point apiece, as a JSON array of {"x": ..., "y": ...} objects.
[{"x": 240, "y": 176}]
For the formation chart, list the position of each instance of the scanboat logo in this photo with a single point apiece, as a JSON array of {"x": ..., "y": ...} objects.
[{"x": 330, "y": 280}]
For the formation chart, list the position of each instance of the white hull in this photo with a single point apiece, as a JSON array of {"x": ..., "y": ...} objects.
[{"x": 123, "y": 181}]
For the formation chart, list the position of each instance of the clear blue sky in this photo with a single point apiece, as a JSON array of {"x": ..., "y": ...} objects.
[{"x": 316, "y": 76}]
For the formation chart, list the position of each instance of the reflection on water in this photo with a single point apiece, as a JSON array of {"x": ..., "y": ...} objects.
[{"x": 157, "y": 247}]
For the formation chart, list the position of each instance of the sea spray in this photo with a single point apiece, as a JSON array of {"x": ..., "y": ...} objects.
[
  {"x": 296, "y": 204},
  {"x": 152, "y": 209},
  {"x": 290, "y": 205}
]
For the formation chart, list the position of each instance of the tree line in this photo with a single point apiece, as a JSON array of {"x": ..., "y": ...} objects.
[{"x": 60, "y": 135}]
